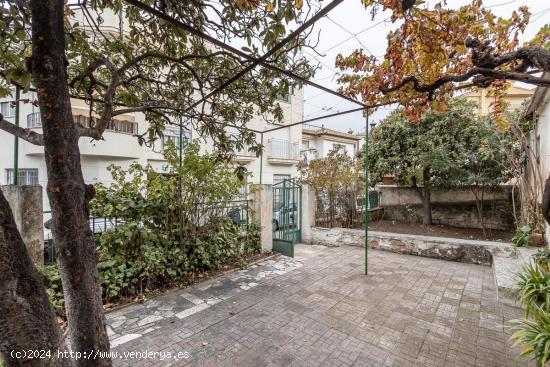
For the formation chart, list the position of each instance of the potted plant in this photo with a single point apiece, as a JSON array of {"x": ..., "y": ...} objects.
[{"x": 542, "y": 259}]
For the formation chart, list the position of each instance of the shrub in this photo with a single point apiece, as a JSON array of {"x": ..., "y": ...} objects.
[
  {"x": 534, "y": 335},
  {"x": 522, "y": 237},
  {"x": 52, "y": 281},
  {"x": 542, "y": 259},
  {"x": 533, "y": 288},
  {"x": 169, "y": 225}
]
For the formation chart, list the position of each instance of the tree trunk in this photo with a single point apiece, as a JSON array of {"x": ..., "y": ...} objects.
[
  {"x": 66, "y": 188},
  {"x": 27, "y": 319},
  {"x": 426, "y": 199}
]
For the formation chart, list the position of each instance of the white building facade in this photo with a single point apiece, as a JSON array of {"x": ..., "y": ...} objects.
[
  {"x": 318, "y": 142},
  {"x": 120, "y": 146}
]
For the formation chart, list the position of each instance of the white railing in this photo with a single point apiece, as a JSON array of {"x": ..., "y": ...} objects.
[
  {"x": 244, "y": 152},
  {"x": 121, "y": 126},
  {"x": 283, "y": 149}
]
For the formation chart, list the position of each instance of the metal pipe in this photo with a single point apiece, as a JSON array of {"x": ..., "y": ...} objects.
[
  {"x": 16, "y": 139},
  {"x": 367, "y": 193}
]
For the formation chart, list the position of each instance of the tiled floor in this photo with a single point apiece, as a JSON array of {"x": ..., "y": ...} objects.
[{"x": 321, "y": 310}]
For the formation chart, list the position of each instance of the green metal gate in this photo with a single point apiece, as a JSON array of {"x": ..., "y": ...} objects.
[{"x": 287, "y": 216}]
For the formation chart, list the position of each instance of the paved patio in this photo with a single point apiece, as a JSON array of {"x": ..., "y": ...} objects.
[{"x": 319, "y": 309}]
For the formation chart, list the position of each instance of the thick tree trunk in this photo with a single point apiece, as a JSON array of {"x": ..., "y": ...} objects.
[
  {"x": 66, "y": 189},
  {"x": 426, "y": 199},
  {"x": 27, "y": 319}
]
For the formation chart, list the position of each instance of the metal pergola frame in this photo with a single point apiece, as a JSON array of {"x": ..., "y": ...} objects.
[{"x": 262, "y": 60}]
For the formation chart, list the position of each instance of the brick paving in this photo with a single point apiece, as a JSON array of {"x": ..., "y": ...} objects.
[{"x": 321, "y": 310}]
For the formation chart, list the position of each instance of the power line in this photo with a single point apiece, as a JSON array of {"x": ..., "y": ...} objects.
[
  {"x": 351, "y": 33},
  {"x": 356, "y": 34},
  {"x": 236, "y": 51}
]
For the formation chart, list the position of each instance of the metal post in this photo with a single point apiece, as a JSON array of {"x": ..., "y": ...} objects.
[
  {"x": 367, "y": 194},
  {"x": 16, "y": 141}
]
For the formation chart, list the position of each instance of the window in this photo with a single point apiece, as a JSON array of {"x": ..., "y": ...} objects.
[
  {"x": 339, "y": 148},
  {"x": 174, "y": 136},
  {"x": 285, "y": 97},
  {"x": 26, "y": 176},
  {"x": 279, "y": 178},
  {"x": 7, "y": 109}
]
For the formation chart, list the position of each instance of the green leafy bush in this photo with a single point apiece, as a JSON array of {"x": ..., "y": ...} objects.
[
  {"x": 533, "y": 288},
  {"x": 170, "y": 225},
  {"x": 533, "y": 292},
  {"x": 52, "y": 280},
  {"x": 534, "y": 335},
  {"x": 522, "y": 237}
]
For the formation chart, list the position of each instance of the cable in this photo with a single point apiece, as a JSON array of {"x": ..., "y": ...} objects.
[
  {"x": 349, "y": 32},
  {"x": 234, "y": 50}
]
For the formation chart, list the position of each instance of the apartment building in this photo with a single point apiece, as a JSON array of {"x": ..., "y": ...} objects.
[
  {"x": 120, "y": 146},
  {"x": 318, "y": 142}
]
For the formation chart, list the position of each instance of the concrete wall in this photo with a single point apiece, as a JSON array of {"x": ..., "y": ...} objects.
[
  {"x": 455, "y": 207},
  {"x": 26, "y": 205}
]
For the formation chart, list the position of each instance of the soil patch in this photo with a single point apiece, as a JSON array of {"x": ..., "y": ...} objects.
[{"x": 440, "y": 231}]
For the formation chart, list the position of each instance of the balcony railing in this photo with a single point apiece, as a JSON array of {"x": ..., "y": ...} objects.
[
  {"x": 244, "y": 152},
  {"x": 312, "y": 127},
  {"x": 283, "y": 149},
  {"x": 120, "y": 126}
]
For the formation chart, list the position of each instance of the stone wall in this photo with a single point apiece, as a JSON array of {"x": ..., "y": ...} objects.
[
  {"x": 455, "y": 207},
  {"x": 26, "y": 205},
  {"x": 468, "y": 251}
]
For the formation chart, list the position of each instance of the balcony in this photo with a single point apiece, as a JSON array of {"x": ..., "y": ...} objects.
[
  {"x": 282, "y": 151},
  {"x": 244, "y": 155},
  {"x": 119, "y": 126}
]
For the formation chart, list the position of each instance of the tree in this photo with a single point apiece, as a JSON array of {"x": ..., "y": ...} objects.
[
  {"x": 436, "y": 51},
  {"x": 441, "y": 151},
  {"x": 338, "y": 181},
  {"x": 151, "y": 66}
]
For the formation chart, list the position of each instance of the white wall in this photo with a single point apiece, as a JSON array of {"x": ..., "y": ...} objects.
[{"x": 123, "y": 149}]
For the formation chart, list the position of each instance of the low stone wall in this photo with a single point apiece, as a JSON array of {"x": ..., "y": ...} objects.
[
  {"x": 455, "y": 207},
  {"x": 467, "y": 251}
]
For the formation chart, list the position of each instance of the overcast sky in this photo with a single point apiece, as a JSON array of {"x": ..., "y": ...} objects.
[{"x": 337, "y": 36}]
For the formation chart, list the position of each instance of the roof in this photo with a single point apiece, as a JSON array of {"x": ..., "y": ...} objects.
[
  {"x": 538, "y": 97},
  {"x": 322, "y": 131}
]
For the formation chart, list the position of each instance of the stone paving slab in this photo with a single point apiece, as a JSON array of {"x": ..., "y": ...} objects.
[
  {"x": 136, "y": 320},
  {"x": 319, "y": 309}
]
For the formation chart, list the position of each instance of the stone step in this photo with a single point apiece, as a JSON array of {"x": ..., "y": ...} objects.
[{"x": 505, "y": 270}]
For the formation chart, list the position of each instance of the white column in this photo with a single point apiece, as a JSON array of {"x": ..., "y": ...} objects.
[{"x": 262, "y": 213}]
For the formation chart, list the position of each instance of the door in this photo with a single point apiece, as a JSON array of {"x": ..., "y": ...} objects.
[{"x": 287, "y": 216}]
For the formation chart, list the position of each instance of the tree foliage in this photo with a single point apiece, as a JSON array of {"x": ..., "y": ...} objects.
[
  {"x": 455, "y": 148},
  {"x": 151, "y": 66},
  {"x": 338, "y": 183},
  {"x": 437, "y": 50}
]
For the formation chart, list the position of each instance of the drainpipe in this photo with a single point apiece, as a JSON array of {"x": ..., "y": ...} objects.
[{"x": 16, "y": 141}]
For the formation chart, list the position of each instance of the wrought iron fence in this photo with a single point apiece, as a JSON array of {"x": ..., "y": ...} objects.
[
  {"x": 344, "y": 210},
  {"x": 238, "y": 210}
]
